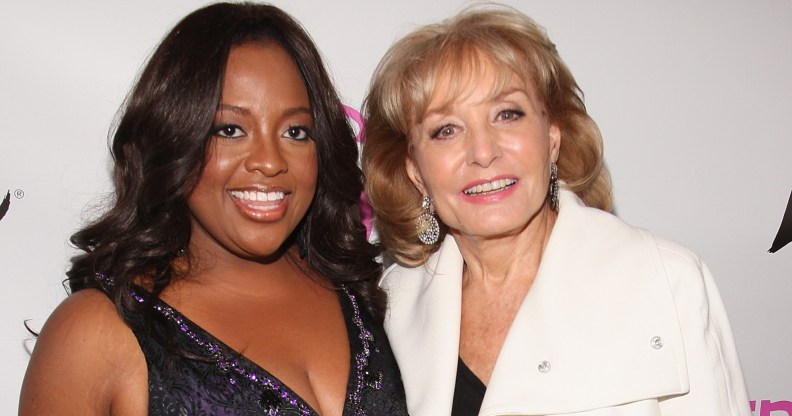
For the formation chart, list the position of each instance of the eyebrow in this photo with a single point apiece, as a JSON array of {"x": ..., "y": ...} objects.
[
  {"x": 298, "y": 110},
  {"x": 233, "y": 108},
  {"x": 445, "y": 108},
  {"x": 244, "y": 111},
  {"x": 511, "y": 91}
]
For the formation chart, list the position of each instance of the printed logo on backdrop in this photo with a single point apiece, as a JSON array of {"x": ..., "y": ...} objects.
[
  {"x": 770, "y": 408},
  {"x": 782, "y": 238},
  {"x": 366, "y": 213},
  {"x": 5, "y": 206},
  {"x": 784, "y": 235}
]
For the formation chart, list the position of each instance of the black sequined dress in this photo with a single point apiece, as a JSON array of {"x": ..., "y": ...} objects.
[{"x": 225, "y": 383}]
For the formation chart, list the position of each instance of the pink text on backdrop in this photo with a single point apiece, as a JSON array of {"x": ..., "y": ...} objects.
[
  {"x": 366, "y": 213},
  {"x": 768, "y": 408}
]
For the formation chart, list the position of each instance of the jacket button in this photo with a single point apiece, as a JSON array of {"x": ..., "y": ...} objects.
[
  {"x": 544, "y": 366},
  {"x": 656, "y": 342}
]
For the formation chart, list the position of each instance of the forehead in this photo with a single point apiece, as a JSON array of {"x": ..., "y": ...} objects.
[
  {"x": 259, "y": 59},
  {"x": 462, "y": 75},
  {"x": 255, "y": 73}
]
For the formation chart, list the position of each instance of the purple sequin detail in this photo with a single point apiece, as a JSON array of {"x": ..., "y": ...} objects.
[
  {"x": 225, "y": 364},
  {"x": 362, "y": 378},
  {"x": 361, "y": 358}
]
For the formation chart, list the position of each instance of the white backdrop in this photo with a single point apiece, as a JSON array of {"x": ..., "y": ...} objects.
[{"x": 693, "y": 99}]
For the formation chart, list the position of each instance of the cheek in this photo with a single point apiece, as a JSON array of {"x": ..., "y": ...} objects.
[
  {"x": 310, "y": 179},
  {"x": 219, "y": 162},
  {"x": 210, "y": 178},
  {"x": 436, "y": 169},
  {"x": 309, "y": 171},
  {"x": 214, "y": 178},
  {"x": 533, "y": 152}
]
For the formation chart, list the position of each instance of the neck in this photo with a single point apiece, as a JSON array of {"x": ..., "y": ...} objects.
[
  {"x": 248, "y": 278},
  {"x": 509, "y": 259}
]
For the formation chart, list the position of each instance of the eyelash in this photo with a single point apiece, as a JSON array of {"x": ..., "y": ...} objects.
[
  {"x": 307, "y": 132},
  {"x": 514, "y": 114},
  {"x": 233, "y": 131},
  {"x": 436, "y": 132},
  {"x": 220, "y": 131}
]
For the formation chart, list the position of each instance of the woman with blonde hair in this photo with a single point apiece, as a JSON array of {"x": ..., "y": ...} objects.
[{"x": 515, "y": 290}]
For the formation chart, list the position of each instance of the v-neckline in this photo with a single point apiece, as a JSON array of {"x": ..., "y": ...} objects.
[{"x": 227, "y": 358}]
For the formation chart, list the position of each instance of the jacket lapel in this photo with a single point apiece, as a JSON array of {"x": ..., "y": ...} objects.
[
  {"x": 423, "y": 321},
  {"x": 577, "y": 343}
]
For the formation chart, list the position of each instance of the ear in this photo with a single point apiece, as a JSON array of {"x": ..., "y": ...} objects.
[
  {"x": 554, "y": 134},
  {"x": 414, "y": 174}
]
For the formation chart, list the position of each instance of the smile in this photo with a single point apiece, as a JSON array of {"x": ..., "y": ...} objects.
[
  {"x": 257, "y": 196},
  {"x": 493, "y": 186}
]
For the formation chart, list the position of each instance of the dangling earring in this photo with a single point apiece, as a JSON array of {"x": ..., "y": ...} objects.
[
  {"x": 554, "y": 186},
  {"x": 428, "y": 228}
]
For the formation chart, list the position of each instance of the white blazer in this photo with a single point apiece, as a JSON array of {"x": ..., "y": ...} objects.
[{"x": 618, "y": 322}]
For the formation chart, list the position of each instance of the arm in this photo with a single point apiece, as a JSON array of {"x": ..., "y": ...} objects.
[{"x": 86, "y": 362}]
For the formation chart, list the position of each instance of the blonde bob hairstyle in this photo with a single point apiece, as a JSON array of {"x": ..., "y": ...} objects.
[{"x": 456, "y": 51}]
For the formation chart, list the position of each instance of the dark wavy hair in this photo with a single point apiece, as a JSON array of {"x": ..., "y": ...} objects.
[{"x": 159, "y": 150}]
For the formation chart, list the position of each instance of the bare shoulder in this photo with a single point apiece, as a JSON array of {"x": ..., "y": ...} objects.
[{"x": 86, "y": 361}]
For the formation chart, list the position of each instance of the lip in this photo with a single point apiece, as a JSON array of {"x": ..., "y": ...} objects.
[
  {"x": 510, "y": 183},
  {"x": 260, "y": 204}
]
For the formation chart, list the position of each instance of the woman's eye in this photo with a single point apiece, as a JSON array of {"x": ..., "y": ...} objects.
[
  {"x": 297, "y": 133},
  {"x": 443, "y": 132},
  {"x": 229, "y": 131},
  {"x": 511, "y": 114}
]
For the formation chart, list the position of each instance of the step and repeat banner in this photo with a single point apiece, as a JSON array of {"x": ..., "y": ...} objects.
[{"x": 694, "y": 100}]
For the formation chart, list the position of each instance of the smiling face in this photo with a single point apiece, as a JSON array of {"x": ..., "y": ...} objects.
[
  {"x": 484, "y": 158},
  {"x": 260, "y": 174}
]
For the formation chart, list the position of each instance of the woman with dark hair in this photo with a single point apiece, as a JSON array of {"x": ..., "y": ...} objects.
[
  {"x": 488, "y": 184},
  {"x": 232, "y": 275}
]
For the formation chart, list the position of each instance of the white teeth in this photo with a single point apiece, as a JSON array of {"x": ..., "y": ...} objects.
[
  {"x": 258, "y": 196},
  {"x": 495, "y": 185}
]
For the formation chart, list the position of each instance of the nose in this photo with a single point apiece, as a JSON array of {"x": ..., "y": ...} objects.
[
  {"x": 266, "y": 156},
  {"x": 483, "y": 147}
]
